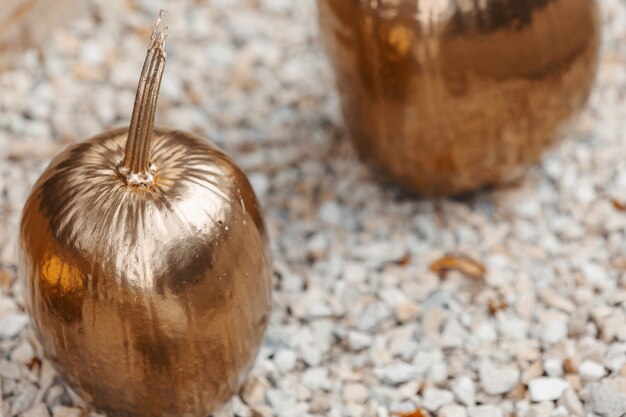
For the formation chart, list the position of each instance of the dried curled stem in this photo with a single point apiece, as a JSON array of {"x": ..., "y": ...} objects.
[{"x": 136, "y": 167}]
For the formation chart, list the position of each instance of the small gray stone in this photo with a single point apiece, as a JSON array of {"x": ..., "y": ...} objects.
[{"x": 606, "y": 401}]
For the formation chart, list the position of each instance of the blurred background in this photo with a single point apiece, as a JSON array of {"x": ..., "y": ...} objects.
[{"x": 364, "y": 323}]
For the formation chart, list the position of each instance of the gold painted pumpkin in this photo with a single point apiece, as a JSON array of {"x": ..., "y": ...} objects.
[
  {"x": 449, "y": 96},
  {"x": 146, "y": 266}
]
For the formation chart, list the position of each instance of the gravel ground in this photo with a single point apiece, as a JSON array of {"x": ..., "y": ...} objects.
[{"x": 363, "y": 324}]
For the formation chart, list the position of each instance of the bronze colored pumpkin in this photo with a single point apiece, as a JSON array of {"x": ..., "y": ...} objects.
[
  {"x": 146, "y": 267},
  {"x": 448, "y": 96}
]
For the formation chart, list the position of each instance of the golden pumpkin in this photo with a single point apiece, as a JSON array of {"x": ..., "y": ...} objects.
[
  {"x": 448, "y": 96},
  {"x": 146, "y": 266}
]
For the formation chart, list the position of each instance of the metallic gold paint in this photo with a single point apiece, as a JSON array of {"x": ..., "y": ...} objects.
[
  {"x": 150, "y": 301},
  {"x": 446, "y": 96}
]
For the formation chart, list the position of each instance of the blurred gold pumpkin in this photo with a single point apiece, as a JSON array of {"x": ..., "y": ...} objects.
[
  {"x": 146, "y": 267},
  {"x": 448, "y": 96}
]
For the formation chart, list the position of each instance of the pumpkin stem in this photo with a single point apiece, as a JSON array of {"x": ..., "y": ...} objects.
[{"x": 136, "y": 167}]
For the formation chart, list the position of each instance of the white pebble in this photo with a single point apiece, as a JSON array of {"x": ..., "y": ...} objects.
[
  {"x": 596, "y": 274},
  {"x": 546, "y": 388},
  {"x": 62, "y": 411},
  {"x": 373, "y": 314},
  {"x": 7, "y": 305},
  {"x": 553, "y": 367},
  {"x": 465, "y": 390},
  {"x": 434, "y": 398},
  {"x": 330, "y": 212},
  {"x": 512, "y": 328},
  {"x": 23, "y": 353},
  {"x": 39, "y": 410},
  {"x": 260, "y": 183},
  {"x": 315, "y": 378},
  {"x": 91, "y": 53},
  {"x": 380, "y": 252},
  {"x": 285, "y": 360},
  {"x": 485, "y": 333},
  {"x": 438, "y": 373},
  {"x": 406, "y": 312},
  {"x": 496, "y": 380},
  {"x": 10, "y": 370},
  {"x": 24, "y": 400},
  {"x": 12, "y": 324},
  {"x": 572, "y": 402},
  {"x": 554, "y": 331},
  {"x": 358, "y": 340},
  {"x": 452, "y": 410},
  {"x": 397, "y": 373},
  {"x": 253, "y": 391},
  {"x": 591, "y": 371},
  {"x": 355, "y": 393}
]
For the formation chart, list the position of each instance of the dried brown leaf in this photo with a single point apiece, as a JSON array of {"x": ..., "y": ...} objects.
[
  {"x": 405, "y": 260},
  {"x": 494, "y": 306},
  {"x": 619, "y": 205},
  {"x": 464, "y": 264}
]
